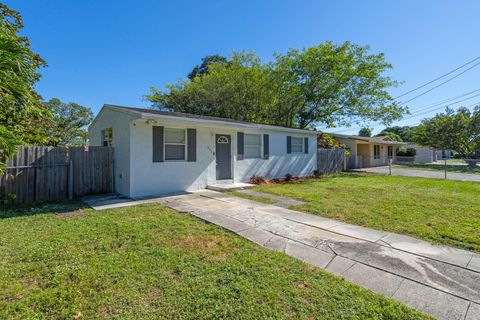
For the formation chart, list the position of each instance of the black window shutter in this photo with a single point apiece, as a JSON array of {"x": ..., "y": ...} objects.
[
  {"x": 157, "y": 144},
  {"x": 305, "y": 141},
  {"x": 289, "y": 144},
  {"x": 192, "y": 145},
  {"x": 240, "y": 145},
  {"x": 266, "y": 146}
]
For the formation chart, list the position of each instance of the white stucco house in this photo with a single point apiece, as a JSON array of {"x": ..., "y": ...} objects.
[{"x": 158, "y": 152}]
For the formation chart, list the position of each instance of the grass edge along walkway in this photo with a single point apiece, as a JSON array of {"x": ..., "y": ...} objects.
[
  {"x": 152, "y": 262},
  {"x": 439, "y": 211}
]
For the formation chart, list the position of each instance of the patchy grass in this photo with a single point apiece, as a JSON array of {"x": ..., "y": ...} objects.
[
  {"x": 150, "y": 262},
  {"x": 252, "y": 197},
  {"x": 439, "y": 211},
  {"x": 460, "y": 168}
]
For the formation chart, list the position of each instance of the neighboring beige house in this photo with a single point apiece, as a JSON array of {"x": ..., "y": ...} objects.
[{"x": 368, "y": 151}]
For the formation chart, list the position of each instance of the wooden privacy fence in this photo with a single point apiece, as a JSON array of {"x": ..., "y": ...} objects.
[
  {"x": 48, "y": 173},
  {"x": 354, "y": 162},
  {"x": 331, "y": 160}
]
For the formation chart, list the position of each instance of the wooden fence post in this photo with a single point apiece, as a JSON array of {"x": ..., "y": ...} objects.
[{"x": 70, "y": 179}]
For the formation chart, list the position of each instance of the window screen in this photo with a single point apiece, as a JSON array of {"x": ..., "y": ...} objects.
[
  {"x": 175, "y": 144},
  {"x": 252, "y": 146},
  {"x": 297, "y": 144},
  {"x": 107, "y": 137}
]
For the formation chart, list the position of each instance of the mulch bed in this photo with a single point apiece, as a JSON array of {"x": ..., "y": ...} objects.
[{"x": 261, "y": 182}]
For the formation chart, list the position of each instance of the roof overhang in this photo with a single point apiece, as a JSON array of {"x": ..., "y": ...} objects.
[
  {"x": 366, "y": 140},
  {"x": 206, "y": 122}
]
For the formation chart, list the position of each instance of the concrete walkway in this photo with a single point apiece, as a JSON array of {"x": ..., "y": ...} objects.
[
  {"x": 439, "y": 280},
  {"x": 402, "y": 171}
]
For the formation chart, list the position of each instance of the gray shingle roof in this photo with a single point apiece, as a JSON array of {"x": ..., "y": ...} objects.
[{"x": 196, "y": 116}]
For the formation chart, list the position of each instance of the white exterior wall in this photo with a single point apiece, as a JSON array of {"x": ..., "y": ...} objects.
[
  {"x": 119, "y": 121},
  {"x": 154, "y": 178},
  {"x": 279, "y": 162},
  {"x": 424, "y": 154}
]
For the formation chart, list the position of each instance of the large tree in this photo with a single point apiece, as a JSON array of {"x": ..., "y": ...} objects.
[
  {"x": 18, "y": 73},
  {"x": 203, "y": 68},
  {"x": 455, "y": 130},
  {"x": 68, "y": 123},
  {"x": 326, "y": 85},
  {"x": 403, "y": 132},
  {"x": 365, "y": 132},
  {"x": 392, "y": 135},
  {"x": 240, "y": 90},
  {"x": 335, "y": 85}
]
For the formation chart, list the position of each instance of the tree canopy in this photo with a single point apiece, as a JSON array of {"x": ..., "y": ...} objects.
[
  {"x": 329, "y": 85},
  {"x": 455, "y": 130},
  {"x": 68, "y": 123},
  {"x": 203, "y": 68},
  {"x": 24, "y": 117},
  {"x": 403, "y": 132},
  {"x": 18, "y": 74},
  {"x": 365, "y": 132},
  {"x": 392, "y": 135}
]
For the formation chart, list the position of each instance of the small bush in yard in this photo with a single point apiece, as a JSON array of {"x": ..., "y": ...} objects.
[
  {"x": 288, "y": 177},
  {"x": 406, "y": 152},
  {"x": 256, "y": 179}
]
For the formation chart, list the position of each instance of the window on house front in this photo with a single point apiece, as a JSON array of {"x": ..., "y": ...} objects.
[
  {"x": 376, "y": 151},
  {"x": 107, "y": 137},
  {"x": 252, "y": 146},
  {"x": 297, "y": 144},
  {"x": 175, "y": 144}
]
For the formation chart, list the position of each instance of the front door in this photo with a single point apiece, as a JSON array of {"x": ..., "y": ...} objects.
[{"x": 224, "y": 156}]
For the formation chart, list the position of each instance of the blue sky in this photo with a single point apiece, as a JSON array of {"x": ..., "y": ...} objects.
[{"x": 113, "y": 51}]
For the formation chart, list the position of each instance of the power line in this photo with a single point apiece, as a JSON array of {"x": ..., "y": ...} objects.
[
  {"x": 469, "y": 106},
  {"x": 446, "y": 105},
  {"x": 419, "y": 114},
  {"x": 441, "y": 107},
  {"x": 441, "y": 84},
  {"x": 438, "y": 78},
  {"x": 433, "y": 104},
  {"x": 427, "y": 108}
]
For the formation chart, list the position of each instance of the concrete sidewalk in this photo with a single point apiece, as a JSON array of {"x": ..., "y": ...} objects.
[
  {"x": 439, "y": 280},
  {"x": 402, "y": 171}
]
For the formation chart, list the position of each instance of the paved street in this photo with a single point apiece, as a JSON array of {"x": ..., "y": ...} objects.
[
  {"x": 439, "y": 280},
  {"x": 403, "y": 171}
]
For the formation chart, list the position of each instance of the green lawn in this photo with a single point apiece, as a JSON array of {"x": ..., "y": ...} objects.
[
  {"x": 252, "y": 197},
  {"x": 439, "y": 211},
  {"x": 150, "y": 262},
  {"x": 439, "y": 166}
]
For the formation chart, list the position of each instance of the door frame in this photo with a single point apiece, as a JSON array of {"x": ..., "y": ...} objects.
[{"x": 231, "y": 155}]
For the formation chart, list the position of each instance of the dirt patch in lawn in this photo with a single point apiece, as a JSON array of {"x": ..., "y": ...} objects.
[{"x": 71, "y": 214}]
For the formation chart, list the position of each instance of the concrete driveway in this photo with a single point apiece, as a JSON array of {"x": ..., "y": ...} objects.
[
  {"x": 439, "y": 280},
  {"x": 403, "y": 171}
]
